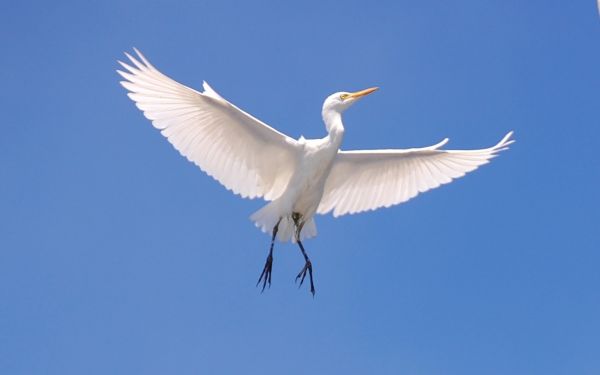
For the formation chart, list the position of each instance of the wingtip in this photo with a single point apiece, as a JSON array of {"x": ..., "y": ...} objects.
[
  {"x": 503, "y": 144},
  {"x": 141, "y": 62},
  {"x": 507, "y": 140},
  {"x": 128, "y": 55},
  {"x": 123, "y": 64},
  {"x": 142, "y": 57},
  {"x": 439, "y": 144}
]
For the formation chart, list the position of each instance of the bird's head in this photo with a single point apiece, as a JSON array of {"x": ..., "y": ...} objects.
[
  {"x": 340, "y": 101},
  {"x": 337, "y": 103}
]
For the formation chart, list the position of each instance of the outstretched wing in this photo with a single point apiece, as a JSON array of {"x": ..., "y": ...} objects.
[
  {"x": 370, "y": 179},
  {"x": 241, "y": 152}
]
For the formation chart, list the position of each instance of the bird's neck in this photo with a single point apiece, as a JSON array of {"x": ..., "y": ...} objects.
[{"x": 333, "y": 123}]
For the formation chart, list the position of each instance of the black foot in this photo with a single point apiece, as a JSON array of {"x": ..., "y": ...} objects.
[
  {"x": 302, "y": 275},
  {"x": 265, "y": 276}
]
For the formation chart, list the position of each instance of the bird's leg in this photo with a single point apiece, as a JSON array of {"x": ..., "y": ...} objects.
[
  {"x": 265, "y": 276},
  {"x": 308, "y": 264},
  {"x": 307, "y": 268}
]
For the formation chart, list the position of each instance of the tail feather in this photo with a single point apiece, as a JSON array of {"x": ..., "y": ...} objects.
[{"x": 268, "y": 216}]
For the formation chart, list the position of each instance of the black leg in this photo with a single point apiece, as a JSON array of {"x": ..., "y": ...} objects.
[
  {"x": 307, "y": 268},
  {"x": 307, "y": 263},
  {"x": 265, "y": 276}
]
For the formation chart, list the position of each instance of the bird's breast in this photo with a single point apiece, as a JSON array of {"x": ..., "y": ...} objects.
[{"x": 309, "y": 181}]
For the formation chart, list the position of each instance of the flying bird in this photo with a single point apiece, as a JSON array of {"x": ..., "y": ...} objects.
[{"x": 299, "y": 178}]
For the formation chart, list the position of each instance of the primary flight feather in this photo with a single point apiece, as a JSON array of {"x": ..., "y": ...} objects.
[{"x": 299, "y": 177}]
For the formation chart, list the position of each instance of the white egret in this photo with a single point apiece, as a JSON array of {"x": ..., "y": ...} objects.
[{"x": 299, "y": 178}]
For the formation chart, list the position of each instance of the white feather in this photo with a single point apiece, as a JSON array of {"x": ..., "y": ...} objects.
[
  {"x": 244, "y": 154},
  {"x": 395, "y": 176},
  {"x": 301, "y": 177}
]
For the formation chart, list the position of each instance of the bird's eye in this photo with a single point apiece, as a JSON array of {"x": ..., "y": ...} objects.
[{"x": 343, "y": 96}]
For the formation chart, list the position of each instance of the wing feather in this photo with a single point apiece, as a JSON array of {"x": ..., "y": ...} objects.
[
  {"x": 241, "y": 152},
  {"x": 369, "y": 179}
]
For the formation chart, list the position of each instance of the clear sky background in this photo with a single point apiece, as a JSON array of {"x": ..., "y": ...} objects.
[{"x": 117, "y": 256}]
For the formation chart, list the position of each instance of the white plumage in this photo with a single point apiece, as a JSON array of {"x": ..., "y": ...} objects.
[
  {"x": 370, "y": 179},
  {"x": 299, "y": 177},
  {"x": 254, "y": 160},
  {"x": 244, "y": 154}
]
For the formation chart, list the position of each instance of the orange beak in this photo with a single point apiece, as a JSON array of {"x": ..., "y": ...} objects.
[{"x": 360, "y": 94}]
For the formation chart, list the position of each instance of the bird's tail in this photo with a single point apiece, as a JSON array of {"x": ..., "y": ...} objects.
[{"x": 268, "y": 216}]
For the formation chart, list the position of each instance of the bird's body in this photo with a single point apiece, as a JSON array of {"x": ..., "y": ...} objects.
[
  {"x": 304, "y": 191},
  {"x": 298, "y": 178}
]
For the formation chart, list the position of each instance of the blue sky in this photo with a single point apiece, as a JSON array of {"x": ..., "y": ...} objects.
[{"x": 117, "y": 256}]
